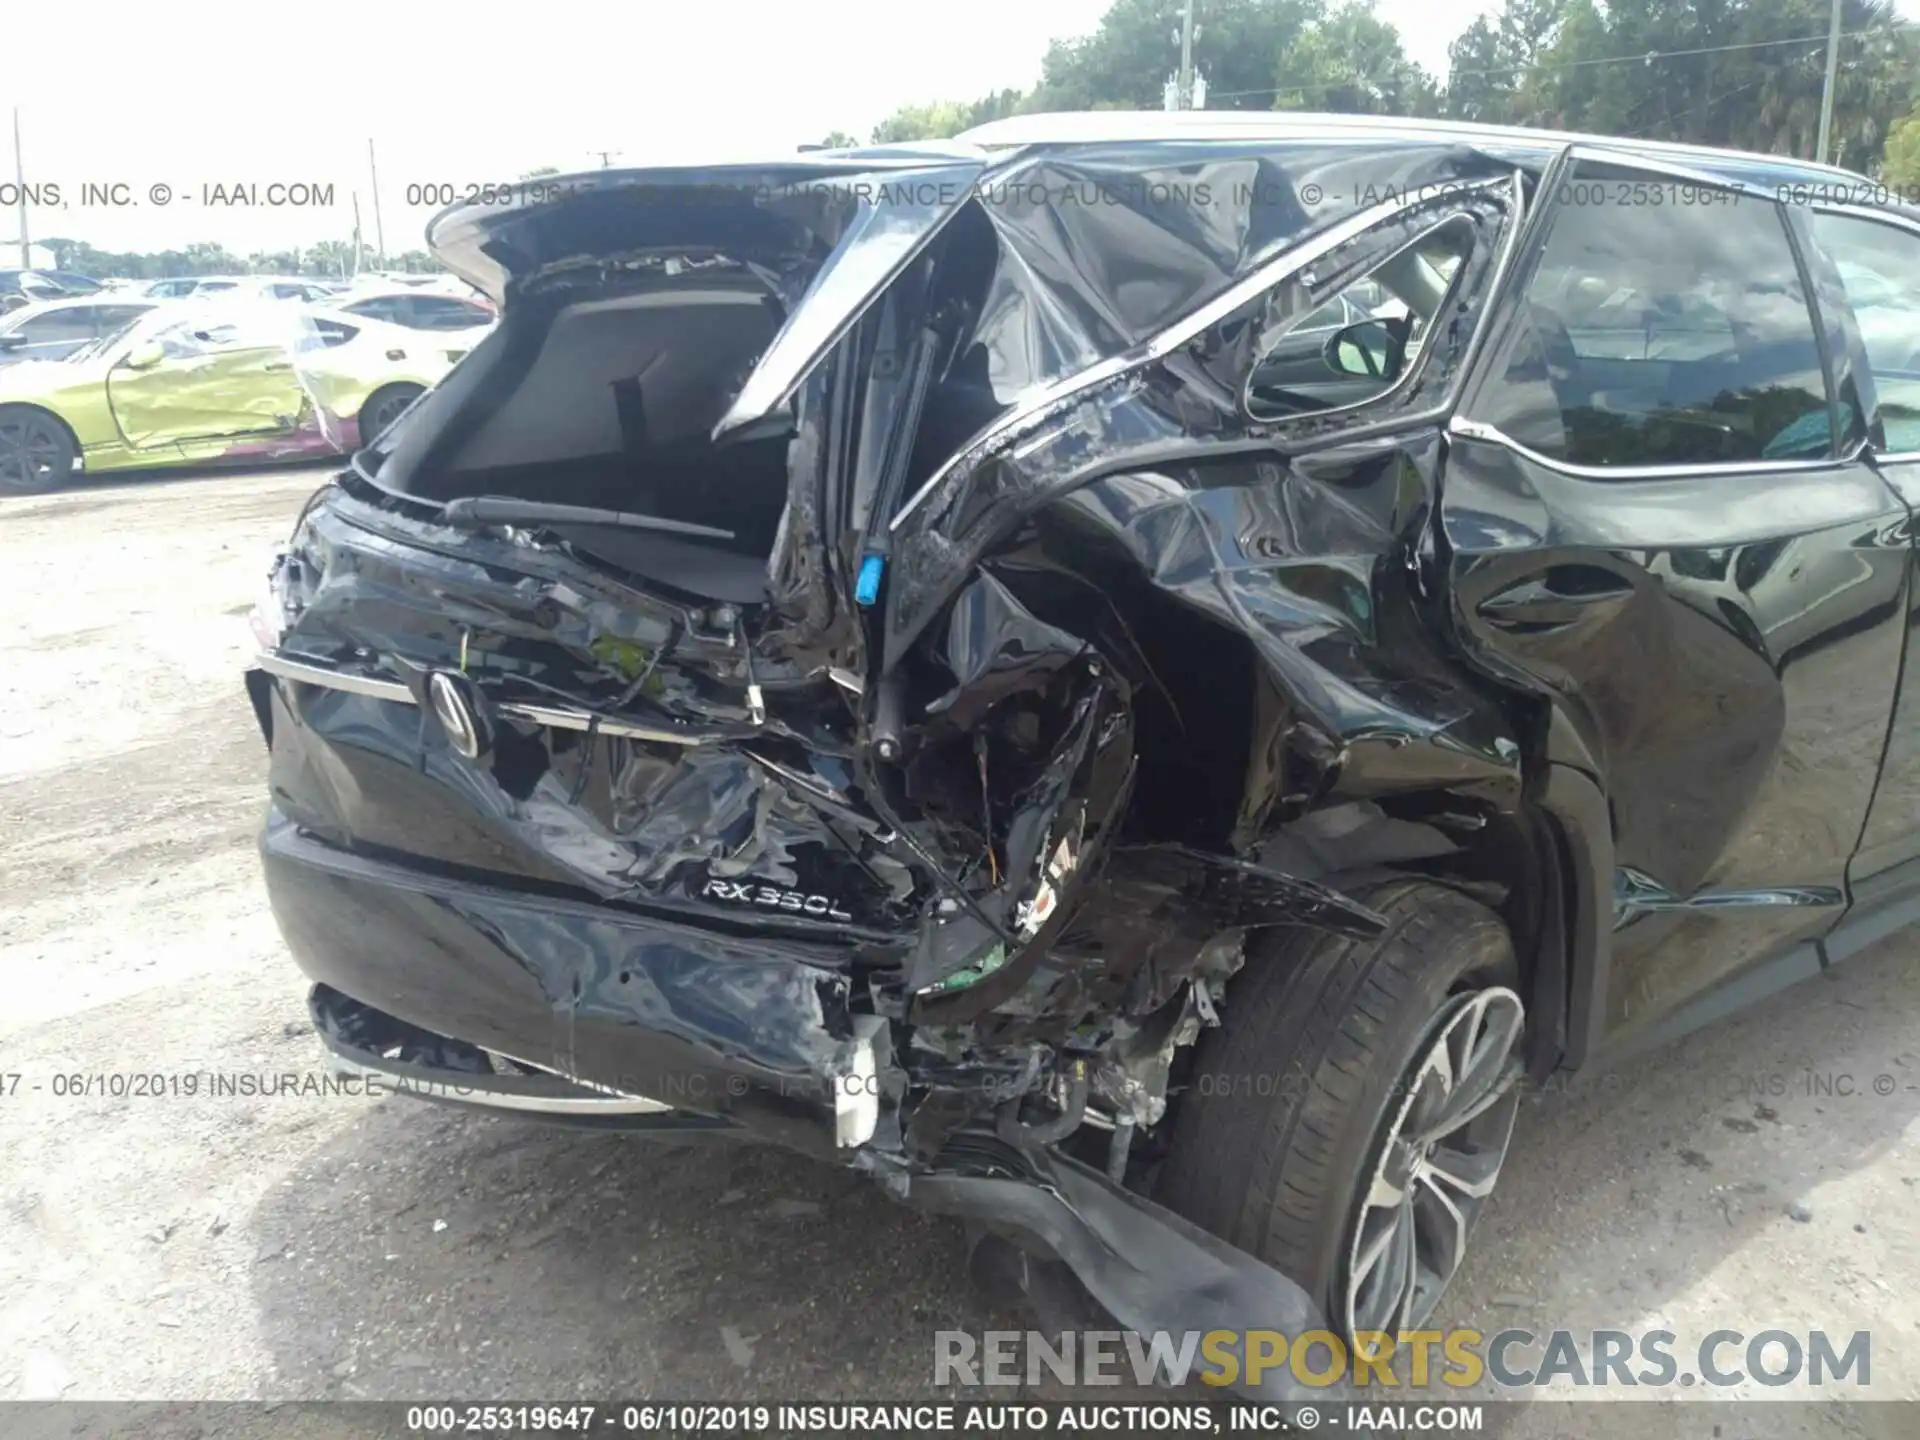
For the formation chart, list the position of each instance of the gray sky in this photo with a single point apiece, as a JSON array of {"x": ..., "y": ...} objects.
[{"x": 226, "y": 93}]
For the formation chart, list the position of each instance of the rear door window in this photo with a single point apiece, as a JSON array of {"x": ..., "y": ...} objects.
[
  {"x": 1359, "y": 345},
  {"x": 388, "y": 308},
  {"x": 1879, "y": 265},
  {"x": 109, "y": 318},
  {"x": 1675, "y": 333},
  {"x": 434, "y": 312},
  {"x": 58, "y": 327}
]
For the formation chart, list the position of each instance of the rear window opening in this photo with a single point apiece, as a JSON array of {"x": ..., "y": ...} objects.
[{"x": 605, "y": 398}]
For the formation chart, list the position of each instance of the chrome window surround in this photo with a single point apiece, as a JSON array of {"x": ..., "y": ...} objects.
[
  {"x": 308, "y": 672},
  {"x": 1467, "y": 429},
  {"x": 1492, "y": 435},
  {"x": 1631, "y": 160},
  {"x": 1182, "y": 332}
]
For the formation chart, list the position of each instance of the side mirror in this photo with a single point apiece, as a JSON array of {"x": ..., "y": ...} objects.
[
  {"x": 143, "y": 357},
  {"x": 13, "y": 341},
  {"x": 1366, "y": 350}
]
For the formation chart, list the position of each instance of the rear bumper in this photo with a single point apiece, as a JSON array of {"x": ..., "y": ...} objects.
[
  {"x": 643, "y": 1024},
  {"x": 729, "y": 1028}
]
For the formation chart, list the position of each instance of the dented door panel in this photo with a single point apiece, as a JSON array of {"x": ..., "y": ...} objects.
[{"x": 1724, "y": 649}]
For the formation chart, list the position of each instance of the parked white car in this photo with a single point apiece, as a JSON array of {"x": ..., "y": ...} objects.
[
  {"x": 419, "y": 309},
  {"x": 239, "y": 287},
  {"x": 362, "y": 350}
]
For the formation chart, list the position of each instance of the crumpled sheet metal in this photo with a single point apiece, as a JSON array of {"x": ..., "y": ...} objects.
[{"x": 1184, "y": 406}]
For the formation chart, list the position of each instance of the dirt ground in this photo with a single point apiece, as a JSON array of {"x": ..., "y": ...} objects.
[{"x": 295, "y": 1248}]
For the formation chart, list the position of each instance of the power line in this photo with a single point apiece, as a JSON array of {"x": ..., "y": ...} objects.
[
  {"x": 1670, "y": 120},
  {"x": 1655, "y": 96},
  {"x": 1643, "y": 57}
]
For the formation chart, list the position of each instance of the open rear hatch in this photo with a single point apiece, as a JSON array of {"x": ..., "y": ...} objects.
[{"x": 614, "y": 637}]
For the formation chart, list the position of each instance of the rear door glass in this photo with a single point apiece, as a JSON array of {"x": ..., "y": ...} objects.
[
  {"x": 1879, "y": 265},
  {"x": 433, "y": 312},
  {"x": 1361, "y": 343},
  {"x": 1662, "y": 334}
]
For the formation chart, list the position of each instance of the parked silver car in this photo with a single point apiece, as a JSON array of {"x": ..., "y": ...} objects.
[{"x": 54, "y": 329}]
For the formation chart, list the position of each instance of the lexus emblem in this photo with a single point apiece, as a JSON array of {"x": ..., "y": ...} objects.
[{"x": 466, "y": 731}]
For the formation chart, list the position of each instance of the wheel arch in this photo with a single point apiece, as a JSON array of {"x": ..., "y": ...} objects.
[
  {"x": 383, "y": 388},
  {"x": 1543, "y": 867},
  {"x": 66, "y": 425},
  {"x": 1347, "y": 745},
  {"x": 66, "y": 428}
]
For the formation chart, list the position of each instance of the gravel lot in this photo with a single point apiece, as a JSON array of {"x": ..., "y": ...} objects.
[{"x": 310, "y": 1248}]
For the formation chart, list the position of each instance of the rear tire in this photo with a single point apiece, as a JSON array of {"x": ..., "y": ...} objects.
[
  {"x": 383, "y": 407},
  {"x": 1314, "y": 1120},
  {"x": 36, "y": 451}
]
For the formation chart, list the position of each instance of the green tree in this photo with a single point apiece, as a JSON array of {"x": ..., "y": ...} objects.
[
  {"x": 943, "y": 119},
  {"x": 1352, "y": 62},
  {"x": 1255, "y": 55},
  {"x": 332, "y": 258},
  {"x": 274, "y": 262},
  {"x": 1900, "y": 161},
  {"x": 1872, "y": 87},
  {"x": 1126, "y": 62},
  {"x": 937, "y": 121},
  {"x": 838, "y": 140},
  {"x": 1493, "y": 56},
  {"x": 1479, "y": 79},
  {"x": 1744, "y": 73}
]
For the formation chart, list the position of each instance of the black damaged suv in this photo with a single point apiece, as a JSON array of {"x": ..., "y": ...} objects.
[{"x": 1128, "y": 676}]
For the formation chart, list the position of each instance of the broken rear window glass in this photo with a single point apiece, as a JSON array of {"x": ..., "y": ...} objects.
[{"x": 1366, "y": 339}]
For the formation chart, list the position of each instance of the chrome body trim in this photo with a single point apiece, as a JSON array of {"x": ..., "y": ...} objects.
[
  {"x": 1109, "y": 127},
  {"x": 530, "y": 1095},
  {"x": 1492, "y": 435},
  {"x": 308, "y": 672}
]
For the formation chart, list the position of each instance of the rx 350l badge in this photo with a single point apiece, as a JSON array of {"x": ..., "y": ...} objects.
[{"x": 746, "y": 892}]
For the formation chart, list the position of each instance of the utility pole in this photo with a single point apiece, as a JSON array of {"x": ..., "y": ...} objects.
[
  {"x": 355, "y": 271},
  {"x": 379, "y": 230},
  {"x": 1186, "y": 56},
  {"x": 1826, "y": 92},
  {"x": 1186, "y": 90},
  {"x": 20, "y": 174},
  {"x": 606, "y": 156}
]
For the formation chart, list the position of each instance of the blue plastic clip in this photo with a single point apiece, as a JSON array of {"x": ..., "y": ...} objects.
[{"x": 866, "y": 589}]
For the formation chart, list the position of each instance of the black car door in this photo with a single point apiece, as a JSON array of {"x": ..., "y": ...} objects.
[
  {"x": 1661, "y": 522},
  {"x": 1876, "y": 256}
]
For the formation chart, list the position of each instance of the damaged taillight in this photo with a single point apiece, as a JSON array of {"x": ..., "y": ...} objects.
[
  {"x": 1035, "y": 912},
  {"x": 268, "y": 618}
]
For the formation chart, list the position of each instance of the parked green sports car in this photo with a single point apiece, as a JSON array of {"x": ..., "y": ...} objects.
[{"x": 190, "y": 383}]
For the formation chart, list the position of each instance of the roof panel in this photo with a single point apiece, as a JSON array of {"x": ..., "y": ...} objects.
[{"x": 1519, "y": 142}]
